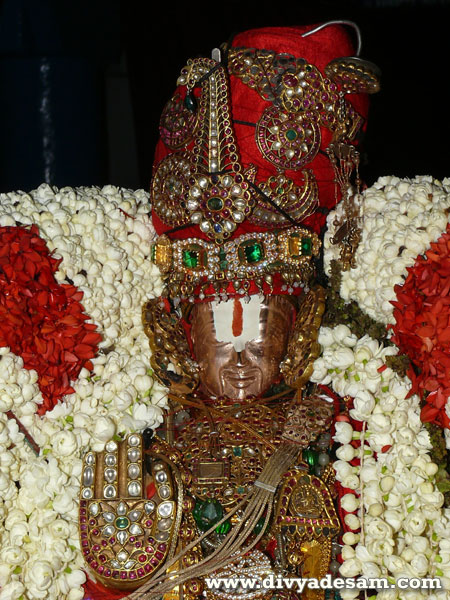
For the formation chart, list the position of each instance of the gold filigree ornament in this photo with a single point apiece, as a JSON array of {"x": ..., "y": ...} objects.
[
  {"x": 171, "y": 360},
  {"x": 170, "y": 188},
  {"x": 345, "y": 159},
  {"x": 305, "y": 522},
  {"x": 125, "y": 537},
  {"x": 303, "y": 347},
  {"x": 298, "y": 201},
  {"x": 177, "y": 123},
  {"x": 354, "y": 75},
  {"x": 205, "y": 185},
  {"x": 188, "y": 263}
]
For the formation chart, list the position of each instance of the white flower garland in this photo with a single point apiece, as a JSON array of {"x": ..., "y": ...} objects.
[
  {"x": 404, "y": 531},
  {"x": 401, "y": 217},
  {"x": 104, "y": 237}
]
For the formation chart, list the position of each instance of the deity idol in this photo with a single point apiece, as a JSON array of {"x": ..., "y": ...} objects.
[{"x": 257, "y": 144}]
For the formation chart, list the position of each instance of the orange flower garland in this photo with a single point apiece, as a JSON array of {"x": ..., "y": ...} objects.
[
  {"x": 40, "y": 319},
  {"x": 422, "y": 328}
]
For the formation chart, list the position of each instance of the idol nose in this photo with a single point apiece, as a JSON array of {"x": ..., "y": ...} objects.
[{"x": 242, "y": 358}]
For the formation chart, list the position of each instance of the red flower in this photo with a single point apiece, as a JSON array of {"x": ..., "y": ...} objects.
[
  {"x": 422, "y": 328},
  {"x": 41, "y": 320}
]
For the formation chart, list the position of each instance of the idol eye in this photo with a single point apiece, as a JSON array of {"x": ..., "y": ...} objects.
[{"x": 255, "y": 349}]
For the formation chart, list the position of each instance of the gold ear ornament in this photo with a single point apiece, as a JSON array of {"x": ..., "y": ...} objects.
[
  {"x": 171, "y": 361},
  {"x": 303, "y": 347}
]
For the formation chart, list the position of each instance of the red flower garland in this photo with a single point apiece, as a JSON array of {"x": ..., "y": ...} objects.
[
  {"x": 422, "y": 329},
  {"x": 41, "y": 320}
]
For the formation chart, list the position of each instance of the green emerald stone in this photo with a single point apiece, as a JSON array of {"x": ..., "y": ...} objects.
[
  {"x": 237, "y": 451},
  {"x": 215, "y": 203},
  {"x": 190, "y": 258},
  {"x": 240, "y": 489},
  {"x": 223, "y": 527},
  {"x": 197, "y": 508},
  {"x": 207, "y": 514},
  {"x": 311, "y": 457},
  {"x": 306, "y": 245},
  {"x": 223, "y": 263},
  {"x": 122, "y": 522},
  {"x": 291, "y": 134},
  {"x": 254, "y": 252},
  {"x": 259, "y": 525},
  {"x": 190, "y": 102}
]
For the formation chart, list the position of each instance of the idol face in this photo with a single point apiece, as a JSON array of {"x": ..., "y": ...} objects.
[{"x": 231, "y": 374}]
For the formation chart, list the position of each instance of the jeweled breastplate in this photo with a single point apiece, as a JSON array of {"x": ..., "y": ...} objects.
[{"x": 226, "y": 458}]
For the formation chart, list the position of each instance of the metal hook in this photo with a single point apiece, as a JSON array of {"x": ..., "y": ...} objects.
[{"x": 328, "y": 23}]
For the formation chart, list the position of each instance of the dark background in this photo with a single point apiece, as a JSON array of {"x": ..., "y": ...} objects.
[{"x": 82, "y": 85}]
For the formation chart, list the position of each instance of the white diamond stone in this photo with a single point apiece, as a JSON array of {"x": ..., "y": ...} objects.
[
  {"x": 135, "y": 515},
  {"x": 129, "y": 565},
  {"x": 133, "y": 454},
  {"x": 161, "y": 477},
  {"x": 108, "y": 531},
  {"x": 122, "y": 509},
  {"x": 109, "y": 491},
  {"x": 165, "y": 509},
  {"x": 90, "y": 459},
  {"x": 111, "y": 446},
  {"x": 133, "y": 440},
  {"x": 164, "y": 492},
  {"x": 94, "y": 509},
  {"x": 87, "y": 493},
  {"x": 135, "y": 529},
  {"x": 134, "y": 488},
  {"x": 133, "y": 471},
  {"x": 109, "y": 517},
  {"x": 88, "y": 476},
  {"x": 122, "y": 536},
  {"x": 110, "y": 460},
  {"x": 110, "y": 475},
  {"x": 165, "y": 524},
  {"x": 122, "y": 555},
  {"x": 149, "y": 507}
]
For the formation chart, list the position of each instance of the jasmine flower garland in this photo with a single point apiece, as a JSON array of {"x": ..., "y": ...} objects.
[
  {"x": 396, "y": 526},
  {"x": 103, "y": 237},
  {"x": 400, "y": 218}
]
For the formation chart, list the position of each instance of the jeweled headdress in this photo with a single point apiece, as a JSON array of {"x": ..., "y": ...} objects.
[{"x": 256, "y": 147}]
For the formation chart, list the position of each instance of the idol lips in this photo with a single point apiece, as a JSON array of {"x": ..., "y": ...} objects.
[{"x": 240, "y": 378}]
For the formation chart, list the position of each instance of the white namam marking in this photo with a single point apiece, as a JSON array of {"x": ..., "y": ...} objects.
[{"x": 223, "y": 319}]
